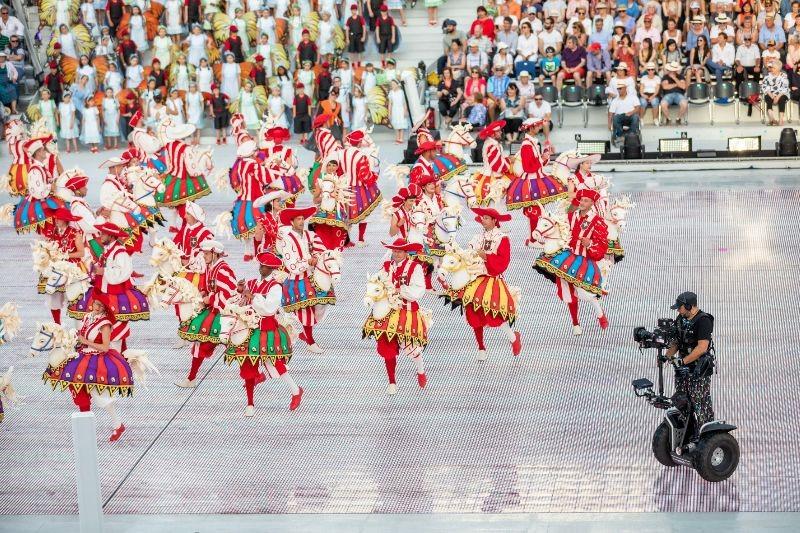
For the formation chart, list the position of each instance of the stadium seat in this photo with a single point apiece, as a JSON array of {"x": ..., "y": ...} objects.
[
  {"x": 746, "y": 90},
  {"x": 724, "y": 95},
  {"x": 699, "y": 94},
  {"x": 572, "y": 96},
  {"x": 596, "y": 95}
]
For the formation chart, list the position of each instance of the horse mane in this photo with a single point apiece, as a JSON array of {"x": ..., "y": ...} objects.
[
  {"x": 7, "y": 388},
  {"x": 245, "y": 313},
  {"x": 10, "y": 318},
  {"x": 624, "y": 202},
  {"x": 382, "y": 278},
  {"x": 71, "y": 270},
  {"x": 387, "y": 210},
  {"x": 399, "y": 173},
  {"x": 50, "y": 251}
]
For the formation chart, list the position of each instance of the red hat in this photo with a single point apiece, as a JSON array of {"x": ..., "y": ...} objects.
[
  {"x": 126, "y": 33},
  {"x": 412, "y": 191},
  {"x": 402, "y": 245},
  {"x": 109, "y": 228},
  {"x": 214, "y": 86},
  {"x": 233, "y": 29},
  {"x": 131, "y": 154},
  {"x": 57, "y": 46},
  {"x": 77, "y": 182},
  {"x": 353, "y": 6},
  {"x": 325, "y": 64},
  {"x": 424, "y": 147},
  {"x": 490, "y": 212},
  {"x": 355, "y": 137},
  {"x": 289, "y": 213},
  {"x": 426, "y": 179},
  {"x": 106, "y": 301},
  {"x": 492, "y": 128},
  {"x": 587, "y": 193},
  {"x": 155, "y": 60},
  {"x": 32, "y": 145},
  {"x": 259, "y": 58},
  {"x": 305, "y": 32},
  {"x": 384, "y": 7},
  {"x": 268, "y": 259},
  {"x": 136, "y": 119},
  {"x": 320, "y": 120},
  {"x": 52, "y": 64},
  {"x": 299, "y": 85},
  {"x": 594, "y": 47},
  {"x": 278, "y": 135},
  {"x": 62, "y": 213}
]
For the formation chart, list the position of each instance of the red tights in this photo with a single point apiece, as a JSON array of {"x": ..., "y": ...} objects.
[
  {"x": 56, "y": 315},
  {"x": 573, "y": 311},
  {"x": 391, "y": 366},
  {"x": 308, "y": 333},
  {"x": 362, "y": 229},
  {"x": 82, "y": 399},
  {"x": 479, "y": 337}
]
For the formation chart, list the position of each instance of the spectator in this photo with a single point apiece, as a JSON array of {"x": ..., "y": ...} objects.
[
  {"x": 355, "y": 34},
  {"x": 502, "y": 14},
  {"x": 539, "y": 109},
  {"x": 476, "y": 113},
  {"x": 450, "y": 96},
  {"x": 496, "y": 90},
  {"x": 621, "y": 75},
  {"x": 507, "y": 36},
  {"x": 110, "y": 120},
  {"x": 555, "y": 8},
  {"x": 8, "y": 83},
  {"x": 699, "y": 56},
  {"x": 616, "y": 36},
  {"x": 770, "y": 54},
  {"x": 602, "y": 13},
  {"x": 771, "y": 32},
  {"x": 16, "y": 55},
  {"x": 579, "y": 34},
  {"x": 527, "y": 51},
  {"x": 747, "y": 28},
  {"x": 646, "y": 54},
  {"x": 623, "y": 111},
  {"x": 747, "y": 62},
  {"x": 48, "y": 109},
  {"x": 794, "y": 30},
  {"x": 794, "y": 83},
  {"x": 550, "y": 37},
  {"x": 512, "y": 111},
  {"x": 627, "y": 21},
  {"x": 598, "y": 65},
  {"x": 673, "y": 87},
  {"x": 475, "y": 84},
  {"x": 573, "y": 66},
  {"x": 451, "y": 33},
  {"x": 503, "y": 59},
  {"x": 359, "y": 119},
  {"x": 624, "y": 53},
  {"x": 476, "y": 58},
  {"x": 91, "y": 135},
  {"x": 526, "y": 88},
  {"x": 301, "y": 110},
  {"x": 398, "y": 112},
  {"x": 549, "y": 66},
  {"x": 647, "y": 31},
  {"x": 580, "y": 18},
  {"x": 670, "y": 53},
  {"x": 386, "y": 34},
  {"x": 485, "y": 22},
  {"x": 775, "y": 88},
  {"x": 791, "y": 16},
  {"x": 722, "y": 57},
  {"x": 9, "y": 26},
  {"x": 115, "y": 9},
  {"x": 649, "y": 90},
  {"x": 672, "y": 32},
  {"x": 722, "y": 26},
  {"x": 600, "y": 35},
  {"x": 696, "y": 30},
  {"x": 68, "y": 122},
  {"x": 793, "y": 52},
  {"x": 484, "y": 43},
  {"x": 219, "y": 111}
]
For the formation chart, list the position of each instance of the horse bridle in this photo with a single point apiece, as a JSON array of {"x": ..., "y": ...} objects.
[
  {"x": 448, "y": 217},
  {"x": 49, "y": 345},
  {"x": 56, "y": 283},
  {"x": 460, "y": 136},
  {"x": 542, "y": 233},
  {"x": 324, "y": 268}
]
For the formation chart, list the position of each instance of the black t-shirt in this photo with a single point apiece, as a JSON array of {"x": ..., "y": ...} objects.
[
  {"x": 672, "y": 77},
  {"x": 302, "y": 104},
  {"x": 307, "y": 51},
  {"x": 699, "y": 328},
  {"x": 384, "y": 27},
  {"x": 324, "y": 83},
  {"x": 355, "y": 27}
]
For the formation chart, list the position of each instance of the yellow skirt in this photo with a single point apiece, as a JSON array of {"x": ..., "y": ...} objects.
[{"x": 406, "y": 325}]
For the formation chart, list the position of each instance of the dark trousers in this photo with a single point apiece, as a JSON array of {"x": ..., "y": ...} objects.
[
  {"x": 747, "y": 73},
  {"x": 446, "y": 109},
  {"x": 781, "y": 103},
  {"x": 621, "y": 120},
  {"x": 699, "y": 393}
]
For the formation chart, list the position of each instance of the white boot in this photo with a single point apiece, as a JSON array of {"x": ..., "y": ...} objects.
[
  {"x": 187, "y": 383},
  {"x": 482, "y": 355},
  {"x": 315, "y": 348},
  {"x": 391, "y": 390},
  {"x": 249, "y": 411},
  {"x": 576, "y": 330}
]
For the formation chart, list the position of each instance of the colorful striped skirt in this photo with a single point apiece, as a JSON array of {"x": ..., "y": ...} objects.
[
  {"x": 405, "y": 325},
  {"x": 616, "y": 250},
  {"x": 530, "y": 189},
  {"x": 365, "y": 199},
  {"x": 181, "y": 190},
  {"x": 104, "y": 373},
  {"x": 265, "y": 345},
  {"x": 30, "y": 214},
  {"x": 489, "y": 296},
  {"x": 293, "y": 185},
  {"x": 445, "y": 166},
  {"x": 243, "y": 220},
  {"x": 577, "y": 270},
  {"x": 128, "y": 306},
  {"x": 301, "y": 293},
  {"x": 205, "y": 327},
  {"x": 18, "y": 179},
  {"x": 482, "y": 183}
]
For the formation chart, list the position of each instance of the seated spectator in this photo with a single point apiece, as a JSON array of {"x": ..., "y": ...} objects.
[
  {"x": 495, "y": 91},
  {"x": 722, "y": 57},
  {"x": 527, "y": 50},
  {"x": 16, "y": 55},
  {"x": 698, "y": 57},
  {"x": 794, "y": 83},
  {"x": 747, "y": 63},
  {"x": 792, "y": 52},
  {"x": 475, "y": 84},
  {"x": 647, "y": 54},
  {"x": 476, "y": 58},
  {"x": 476, "y": 113},
  {"x": 723, "y": 26},
  {"x": 451, "y": 33},
  {"x": 747, "y": 28},
  {"x": 768, "y": 10},
  {"x": 573, "y": 63},
  {"x": 484, "y": 22},
  {"x": 771, "y": 32},
  {"x": 627, "y": 21},
  {"x": 581, "y": 18},
  {"x": 775, "y": 90},
  {"x": 550, "y": 37},
  {"x": 747, "y": 12},
  {"x": 8, "y": 83},
  {"x": 598, "y": 65},
  {"x": 672, "y": 9},
  {"x": 621, "y": 75},
  {"x": 512, "y": 110},
  {"x": 503, "y": 59},
  {"x": 648, "y": 31},
  {"x": 450, "y": 96},
  {"x": 623, "y": 111},
  {"x": 484, "y": 43},
  {"x": 770, "y": 54},
  {"x": 673, "y": 92},
  {"x": 624, "y": 53},
  {"x": 672, "y": 32},
  {"x": 616, "y": 36},
  {"x": 9, "y": 27},
  {"x": 532, "y": 19},
  {"x": 575, "y": 6},
  {"x": 600, "y": 35},
  {"x": 549, "y": 66},
  {"x": 456, "y": 59},
  {"x": 602, "y": 12},
  {"x": 649, "y": 91},
  {"x": 792, "y": 16},
  {"x": 503, "y": 14},
  {"x": 671, "y": 53},
  {"x": 652, "y": 9},
  {"x": 557, "y": 7},
  {"x": 539, "y": 109},
  {"x": 507, "y": 36},
  {"x": 526, "y": 88},
  {"x": 579, "y": 34},
  {"x": 794, "y": 30},
  {"x": 696, "y": 30}
]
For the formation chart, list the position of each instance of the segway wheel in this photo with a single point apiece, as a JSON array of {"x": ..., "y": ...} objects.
[
  {"x": 662, "y": 445},
  {"x": 717, "y": 457}
]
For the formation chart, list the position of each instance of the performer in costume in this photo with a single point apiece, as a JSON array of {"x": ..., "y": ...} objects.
[
  {"x": 530, "y": 185},
  {"x": 266, "y": 234},
  {"x": 423, "y": 166},
  {"x": 31, "y": 213},
  {"x": 325, "y": 144},
  {"x": 443, "y": 165},
  {"x": 299, "y": 249},
  {"x": 582, "y": 169},
  {"x": 190, "y": 236},
  {"x": 363, "y": 183},
  {"x": 98, "y": 367},
  {"x": 403, "y": 330},
  {"x": 73, "y": 189},
  {"x": 70, "y": 241},
  {"x": 204, "y": 329},
  {"x": 431, "y": 203},
  {"x": 403, "y": 204},
  {"x": 147, "y": 146},
  {"x": 277, "y": 158},
  {"x": 577, "y": 270},
  {"x": 20, "y": 159},
  {"x": 487, "y": 300},
  {"x": 330, "y": 222},
  {"x": 496, "y": 165},
  {"x": 269, "y": 344},
  {"x": 181, "y": 187},
  {"x": 254, "y": 178},
  {"x": 111, "y": 276}
]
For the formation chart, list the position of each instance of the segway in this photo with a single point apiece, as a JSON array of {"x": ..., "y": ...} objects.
[{"x": 714, "y": 454}]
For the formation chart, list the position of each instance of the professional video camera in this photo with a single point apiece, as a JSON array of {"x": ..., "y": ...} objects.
[{"x": 662, "y": 336}]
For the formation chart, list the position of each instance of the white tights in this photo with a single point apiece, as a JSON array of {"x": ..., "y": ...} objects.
[{"x": 108, "y": 404}]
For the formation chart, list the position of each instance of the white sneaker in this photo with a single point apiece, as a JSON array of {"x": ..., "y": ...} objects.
[
  {"x": 655, "y": 122},
  {"x": 186, "y": 383},
  {"x": 576, "y": 330},
  {"x": 361, "y": 244},
  {"x": 315, "y": 348},
  {"x": 180, "y": 343},
  {"x": 482, "y": 355},
  {"x": 249, "y": 411},
  {"x": 391, "y": 390}
]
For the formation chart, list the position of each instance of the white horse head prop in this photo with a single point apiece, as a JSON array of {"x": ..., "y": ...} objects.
[
  {"x": 70, "y": 277},
  {"x": 44, "y": 254},
  {"x": 9, "y": 322},
  {"x": 460, "y": 141},
  {"x": 381, "y": 296},
  {"x": 460, "y": 188},
  {"x": 144, "y": 182},
  {"x": 460, "y": 266},
  {"x": 199, "y": 161},
  {"x": 552, "y": 231},
  {"x": 166, "y": 257},
  {"x": 55, "y": 342},
  {"x": 328, "y": 270}
]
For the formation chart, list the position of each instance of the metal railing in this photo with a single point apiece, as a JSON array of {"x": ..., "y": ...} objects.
[{"x": 33, "y": 52}]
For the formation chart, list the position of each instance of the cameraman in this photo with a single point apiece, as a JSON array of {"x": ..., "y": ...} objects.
[{"x": 695, "y": 361}]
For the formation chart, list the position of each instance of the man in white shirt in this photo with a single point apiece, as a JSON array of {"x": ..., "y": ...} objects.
[
  {"x": 10, "y": 25},
  {"x": 476, "y": 58},
  {"x": 723, "y": 26},
  {"x": 747, "y": 62},
  {"x": 525, "y": 87},
  {"x": 648, "y": 30},
  {"x": 555, "y": 5},
  {"x": 550, "y": 36},
  {"x": 622, "y": 76},
  {"x": 623, "y": 111},
  {"x": 538, "y": 109},
  {"x": 722, "y": 57}
]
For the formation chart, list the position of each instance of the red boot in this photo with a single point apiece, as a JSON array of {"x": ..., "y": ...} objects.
[
  {"x": 117, "y": 433},
  {"x": 296, "y": 400},
  {"x": 603, "y": 322},
  {"x": 422, "y": 379},
  {"x": 516, "y": 344}
]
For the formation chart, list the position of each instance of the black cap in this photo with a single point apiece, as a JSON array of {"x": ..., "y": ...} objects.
[{"x": 689, "y": 299}]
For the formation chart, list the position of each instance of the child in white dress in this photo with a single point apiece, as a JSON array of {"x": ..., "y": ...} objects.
[
  {"x": 368, "y": 78},
  {"x": 197, "y": 45},
  {"x": 264, "y": 49},
  {"x": 194, "y": 110},
  {"x": 179, "y": 74},
  {"x": 111, "y": 120},
  {"x": 68, "y": 121},
  {"x": 48, "y": 109},
  {"x": 230, "y": 77},
  {"x": 398, "y": 113},
  {"x": 247, "y": 107},
  {"x": 134, "y": 74},
  {"x": 239, "y": 22},
  {"x": 89, "y": 18},
  {"x": 205, "y": 76},
  {"x": 276, "y": 107},
  {"x": 173, "y": 16},
  {"x": 137, "y": 29},
  {"x": 359, "y": 120},
  {"x": 90, "y": 125},
  {"x": 161, "y": 46},
  {"x": 325, "y": 38},
  {"x": 113, "y": 79},
  {"x": 175, "y": 107}
]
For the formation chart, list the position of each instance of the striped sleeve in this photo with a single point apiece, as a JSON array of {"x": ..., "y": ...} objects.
[{"x": 225, "y": 287}]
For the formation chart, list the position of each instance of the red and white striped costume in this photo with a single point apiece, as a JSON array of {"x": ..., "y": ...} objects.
[
  {"x": 80, "y": 208},
  {"x": 495, "y": 162},
  {"x": 402, "y": 220},
  {"x": 409, "y": 279},
  {"x": 326, "y": 143},
  {"x": 175, "y": 158},
  {"x": 189, "y": 238},
  {"x": 296, "y": 249},
  {"x": 432, "y": 205},
  {"x": 117, "y": 269},
  {"x": 255, "y": 178},
  {"x": 221, "y": 285},
  {"x": 420, "y": 169},
  {"x": 530, "y": 157}
]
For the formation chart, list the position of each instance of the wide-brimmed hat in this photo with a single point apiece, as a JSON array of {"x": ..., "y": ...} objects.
[
  {"x": 722, "y": 17},
  {"x": 210, "y": 245},
  {"x": 405, "y": 193},
  {"x": 176, "y": 132},
  {"x": 673, "y": 66},
  {"x": 490, "y": 212},
  {"x": 277, "y": 135},
  {"x": 32, "y": 145},
  {"x": 77, "y": 182},
  {"x": 62, "y": 213},
  {"x": 268, "y": 259},
  {"x": 426, "y": 146},
  {"x": 274, "y": 194},
  {"x": 290, "y": 213},
  {"x": 196, "y": 211},
  {"x": 246, "y": 148},
  {"x": 587, "y": 193},
  {"x": 109, "y": 228},
  {"x": 402, "y": 245},
  {"x": 574, "y": 162},
  {"x": 355, "y": 137},
  {"x": 113, "y": 162},
  {"x": 492, "y": 129},
  {"x": 531, "y": 123},
  {"x": 320, "y": 120},
  {"x": 104, "y": 299}
]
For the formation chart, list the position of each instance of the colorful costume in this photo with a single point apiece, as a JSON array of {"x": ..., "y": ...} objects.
[
  {"x": 180, "y": 186},
  {"x": 117, "y": 201},
  {"x": 326, "y": 144},
  {"x": 282, "y": 162},
  {"x": 330, "y": 225},
  {"x": 189, "y": 238},
  {"x": 254, "y": 179},
  {"x": 300, "y": 295},
  {"x": 31, "y": 213},
  {"x": 496, "y": 165},
  {"x": 20, "y": 159}
]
